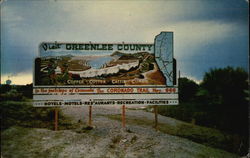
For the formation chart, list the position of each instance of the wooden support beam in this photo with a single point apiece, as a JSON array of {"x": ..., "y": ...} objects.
[
  {"x": 123, "y": 117},
  {"x": 90, "y": 116},
  {"x": 56, "y": 119},
  {"x": 156, "y": 116}
]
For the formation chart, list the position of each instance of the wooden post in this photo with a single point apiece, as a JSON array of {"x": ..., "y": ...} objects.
[
  {"x": 123, "y": 117},
  {"x": 156, "y": 116},
  {"x": 90, "y": 116},
  {"x": 56, "y": 119}
]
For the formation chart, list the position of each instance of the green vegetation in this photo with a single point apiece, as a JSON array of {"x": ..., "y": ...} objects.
[
  {"x": 15, "y": 93},
  {"x": 17, "y": 110},
  {"x": 219, "y": 101},
  {"x": 22, "y": 113}
]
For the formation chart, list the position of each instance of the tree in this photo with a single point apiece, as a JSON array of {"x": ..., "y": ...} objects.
[
  {"x": 187, "y": 89},
  {"x": 225, "y": 88},
  {"x": 4, "y": 88}
]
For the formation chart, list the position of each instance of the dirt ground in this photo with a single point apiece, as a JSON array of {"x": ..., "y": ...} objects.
[{"x": 106, "y": 140}]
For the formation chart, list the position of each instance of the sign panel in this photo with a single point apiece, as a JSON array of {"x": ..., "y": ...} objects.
[{"x": 84, "y": 73}]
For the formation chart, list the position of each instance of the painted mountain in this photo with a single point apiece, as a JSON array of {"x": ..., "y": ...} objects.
[{"x": 116, "y": 69}]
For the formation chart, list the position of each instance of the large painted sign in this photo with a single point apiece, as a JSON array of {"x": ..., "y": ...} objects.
[{"x": 68, "y": 74}]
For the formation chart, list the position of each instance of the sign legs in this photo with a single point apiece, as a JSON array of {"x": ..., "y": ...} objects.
[
  {"x": 56, "y": 119},
  {"x": 90, "y": 116},
  {"x": 123, "y": 116},
  {"x": 156, "y": 116}
]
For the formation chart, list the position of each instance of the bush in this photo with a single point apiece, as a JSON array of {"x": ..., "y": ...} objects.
[
  {"x": 220, "y": 102},
  {"x": 11, "y": 95},
  {"x": 24, "y": 114}
]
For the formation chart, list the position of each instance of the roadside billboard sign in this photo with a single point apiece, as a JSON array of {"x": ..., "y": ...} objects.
[{"x": 77, "y": 74}]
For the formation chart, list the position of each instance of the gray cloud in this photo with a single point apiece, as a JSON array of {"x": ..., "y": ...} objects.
[{"x": 201, "y": 28}]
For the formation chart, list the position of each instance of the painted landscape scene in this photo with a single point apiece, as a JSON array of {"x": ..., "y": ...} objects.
[{"x": 117, "y": 68}]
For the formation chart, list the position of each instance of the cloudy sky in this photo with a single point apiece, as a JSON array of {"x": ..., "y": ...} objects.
[{"x": 207, "y": 33}]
